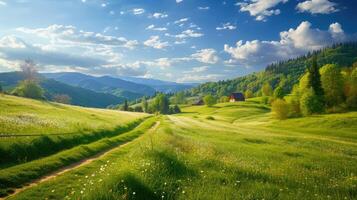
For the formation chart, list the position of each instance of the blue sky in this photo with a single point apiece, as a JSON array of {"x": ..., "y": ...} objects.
[{"x": 175, "y": 40}]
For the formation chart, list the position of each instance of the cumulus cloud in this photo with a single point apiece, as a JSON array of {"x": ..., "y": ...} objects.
[
  {"x": 197, "y": 70},
  {"x": 261, "y": 9},
  {"x": 155, "y": 42},
  {"x": 317, "y": 7},
  {"x": 292, "y": 43},
  {"x": 70, "y": 34},
  {"x": 15, "y": 49},
  {"x": 179, "y": 1},
  {"x": 226, "y": 26},
  {"x": 206, "y": 56}
]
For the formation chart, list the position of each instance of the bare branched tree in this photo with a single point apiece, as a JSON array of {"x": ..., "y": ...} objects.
[{"x": 28, "y": 68}]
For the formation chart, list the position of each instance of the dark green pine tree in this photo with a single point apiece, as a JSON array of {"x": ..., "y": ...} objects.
[
  {"x": 125, "y": 106},
  {"x": 315, "y": 78}
]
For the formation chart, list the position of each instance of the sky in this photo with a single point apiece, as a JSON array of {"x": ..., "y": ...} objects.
[{"x": 174, "y": 40}]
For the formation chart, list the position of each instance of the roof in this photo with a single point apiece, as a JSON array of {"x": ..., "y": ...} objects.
[{"x": 237, "y": 95}]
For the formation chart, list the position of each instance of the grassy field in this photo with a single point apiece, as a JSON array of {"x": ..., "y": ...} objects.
[{"x": 229, "y": 151}]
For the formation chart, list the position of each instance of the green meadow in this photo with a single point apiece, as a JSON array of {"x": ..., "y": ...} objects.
[{"x": 228, "y": 151}]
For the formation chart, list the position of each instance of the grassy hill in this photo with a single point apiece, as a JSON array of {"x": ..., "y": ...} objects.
[
  {"x": 79, "y": 96},
  {"x": 344, "y": 55},
  {"x": 229, "y": 151}
]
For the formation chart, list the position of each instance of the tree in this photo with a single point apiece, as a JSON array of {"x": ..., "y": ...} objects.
[
  {"x": 62, "y": 98},
  {"x": 223, "y": 99},
  {"x": 125, "y": 106},
  {"x": 144, "y": 105},
  {"x": 180, "y": 98},
  {"x": 278, "y": 93},
  {"x": 177, "y": 109},
  {"x": 294, "y": 101},
  {"x": 310, "y": 103},
  {"x": 29, "y": 89},
  {"x": 351, "y": 99},
  {"x": 267, "y": 90},
  {"x": 160, "y": 104},
  {"x": 280, "y": 109},
  {"x": 248, "y": 94},
  {"x": 209, "y": 100},
  {"x": 315, "y": 78},
  {"x": 28, "y": 68},
  {"x": 138, "y": 109},
  {"x": 332, "y": 84}
]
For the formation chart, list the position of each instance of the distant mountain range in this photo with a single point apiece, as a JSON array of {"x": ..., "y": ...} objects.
[{"x": 92, "y": 91}]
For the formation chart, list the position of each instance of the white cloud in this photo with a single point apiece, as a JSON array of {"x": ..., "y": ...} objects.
[
  {"x": 158, "y": 15},
  {"x": 179, "y": 1},
  {"x": 317, "y": 7},
  {"x": 292, "y": 43},
  {"x": 138, "y": 11},
  {"x": 70, "y": 35},
  {"x": 198, "y": 78},
  {"x": 261, "y": 9},
  {"x": 206, "y": 56},
  {"x": 3, "y": 3},
  {"x": 186, "y": 34},
  {"x": 226, "y": 26},
  {"x": 181, "y": 20},
  {"x": 152, "y": 27},
  {"x": 203, "y": 8},
  {"x": 197, "y": 70},
  {"x": 154, "y": 42}
]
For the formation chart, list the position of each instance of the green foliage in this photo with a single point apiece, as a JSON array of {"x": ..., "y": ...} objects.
[
  {"x": 280, "y": 109},
  {"x": 310, "y": 103},
  {"x": 279, "y": 93},
  {"x": 223, "y": 99},
  {"x": 138, "y": 109},
  {"x": 332, "y": 84},
  {"x": 174, "y": 109},
  {"x": 294, "y": 101},
  {"x": 315, "y": 78},
  {"x": 267, "y": 90},
  {"x": 29, "y": 89},
  {"x": 160, "y": 104},
  {"x": 179, "y": 98},
  {"x": 0, "y": 88},
  {"x": 352, "y": 89},
  {"x": 144, "y": 104},
  {"x": 248, "y": 94},
  {"x": 209, "y": 100},
  {"x": 125, "y": 106}
]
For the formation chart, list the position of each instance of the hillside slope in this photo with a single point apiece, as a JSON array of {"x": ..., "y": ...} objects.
[
  {"x": 79, "y": 96},
  {"x": 344, "y": 55}
]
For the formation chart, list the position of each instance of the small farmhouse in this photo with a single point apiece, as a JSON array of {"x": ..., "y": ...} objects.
[
  {"x": 237, "y": 96},
  {"x": 198, "y": 102}
]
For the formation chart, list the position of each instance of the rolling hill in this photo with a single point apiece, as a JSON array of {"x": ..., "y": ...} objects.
[
  {"x": 344, "y": 55},
  {"x": 79, "y": 96}
]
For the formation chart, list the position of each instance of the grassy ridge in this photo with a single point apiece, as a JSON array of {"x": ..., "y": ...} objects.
[
  {"x": 231, "y": 156},
  {"x": 24, "y": 173},
  {"x": 52, "y": 127}
]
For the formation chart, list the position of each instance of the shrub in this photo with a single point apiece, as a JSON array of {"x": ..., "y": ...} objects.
[
  {"x": 267, "y": 90},
  {"x": 210, "y": 118},
  {"x": 278, "y": 93},
  {"x": 280, "y": 109},
  {"x": 310, "y": 103},
  {"x": 209, "y": 100},
  {"x": 62, "y": 98},
  {"x": 29, "y": 89},
  {"x": 332, "y": 83},
  {"x": 224, "y": 99},
  {"x": 248, "y": 94},
  {"x": 265, "y": 100},
  {"x": 294, "y": 102}
]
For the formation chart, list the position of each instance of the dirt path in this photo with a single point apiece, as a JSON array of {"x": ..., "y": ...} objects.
[{"x": 75, "y": 165}]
